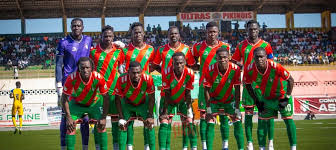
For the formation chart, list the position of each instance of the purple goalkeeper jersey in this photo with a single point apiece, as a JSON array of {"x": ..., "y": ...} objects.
[{"x": 72, "y": 50}]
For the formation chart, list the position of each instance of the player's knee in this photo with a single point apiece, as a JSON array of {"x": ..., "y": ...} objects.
[
  {"x": 249, "y": 110},
  {"x": 20, "y": 116},
  {"x": 202, "y": 115},
  {"x": 164, "y": 121},
  {"x": 68, "y": 132}
]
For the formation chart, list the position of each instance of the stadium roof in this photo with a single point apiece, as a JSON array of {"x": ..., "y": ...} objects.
[{"x": 16, "y": 9}]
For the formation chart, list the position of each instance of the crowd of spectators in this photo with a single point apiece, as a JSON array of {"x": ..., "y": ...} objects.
[{"x": 292, "y": 47}]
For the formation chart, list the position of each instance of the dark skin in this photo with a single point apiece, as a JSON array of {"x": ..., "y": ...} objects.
[
  {"x": 211, "y": 40},
  {"x": 223, "y": 63},
  {"x": 107, "y": 41},
  {"x": 18, "y": 85},
  {"x": 138, "y": 37},
  {"x": 77, "y": 30},
  {"x": 174, "y": 43},
  {"x": 179, "y": 63},
  {"x": 135, "y": 74},
  {"x": 85, "y": 70},
  {"x": 260, "y": 59}
]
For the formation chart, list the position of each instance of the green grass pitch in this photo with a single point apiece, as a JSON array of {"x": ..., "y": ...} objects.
[{"x": 311, "y": 135}]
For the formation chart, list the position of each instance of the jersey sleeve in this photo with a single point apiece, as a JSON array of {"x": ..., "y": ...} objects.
[
  {"x": 190, "y": 59},
  {"x": 157, "y": 59},
  {"x": 102, "y": 86},
  {"x": 269, "y": 51},
  {"x": 150, "y": 85},
  {"x": 189, "y": 85},
  {"x": 68, "y": 86},
  {"x": 237, "y": 54},
  {"x": 151, "y": 57},
  {"x": 118, "y": 89},
  {"x": 284, "y": 73}
]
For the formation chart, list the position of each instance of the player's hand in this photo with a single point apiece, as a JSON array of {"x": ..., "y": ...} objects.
[
  {"x": 70, "y": 124},
  {"x": 163, "y": 117},
  {"x": 102, "y": 123},
  {"x": 149, "y": 123},
  {"x": 260, "y": 106},
  {"x": 59, "y": 88},
  {"x": 122, "y": 124},
  {"x": 283, "y": 103},
  {"x": 237, "y": 113},
  {"x": 209, "y": 117}
]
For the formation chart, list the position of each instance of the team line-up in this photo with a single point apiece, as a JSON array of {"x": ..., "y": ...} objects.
[{"x": 113, "y": 79}]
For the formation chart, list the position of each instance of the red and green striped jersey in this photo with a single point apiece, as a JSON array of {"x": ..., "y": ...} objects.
[
  {"x": 244, "y": 51},
  {"x": 221, "y": 85},
  {"x": 144, "y": 56},
  {"x": 165, "y": 53},
  {"x": 107, "y": 64},
  {"x": 177, "y": 86},
  {"x": 270, "y": 82},
  {"x": 84, "y": 93},
  {"x": 207, "y": 55},
  {"x": 135, "y": 95}
]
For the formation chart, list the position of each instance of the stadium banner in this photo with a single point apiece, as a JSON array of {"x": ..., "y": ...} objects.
[
  {"x": 318, "y": 105},
  {"x": 33, "y": 114},
  {"x": 216, "y": 16}
]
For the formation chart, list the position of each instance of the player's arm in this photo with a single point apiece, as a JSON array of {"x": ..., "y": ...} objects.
[
  {"x": 189, "y": 103},
  {"x": 70, "y": 123},
  {"x": 237, "y": 96},
  {"x": 166, "y": 99},
  {"x": 290, "y": 85},
  {"x": 58, "y": 68},
  {"x": 196, "y": 67},
  {"x": 22, "y": 96},
  {"x": 118, "y": 104},
  {"x": 11, "y": 95},
  {"x": 149, "y": 122},
  {"x": 106, "y": 104},
  {"x": 236, "y": 57}
]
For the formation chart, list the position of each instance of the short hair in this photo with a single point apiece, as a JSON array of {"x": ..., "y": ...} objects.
[
  {"x": 251, "y": 22},
  {"x": 211, "y": 24},
  {"x": 221, "y": 49},
  {"x": 134, "y": 64},
  {"x": 135, "y": 24},
  {"x": 82, "y": 59},
  {"x": 108, "y": 27},
  {"x": 18, "y": 83},
  {"x": 259, "y": 49},
  {"x": 76, "y": 19},
  {"x": 173, "y": 27},
  {"x": 178, "y": 54}
]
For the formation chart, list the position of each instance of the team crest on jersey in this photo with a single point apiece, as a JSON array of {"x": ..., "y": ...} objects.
[
  {"x": 229, "y": 80},
  {"x": 164, "y": 83},
  {"x": 133, "y": 56},
  {"x": 142, "y": 92},
  {"x": 206, "y": 53},
  {"x": 114, "y": 58},
  {"x": 217, "y": 80},
  {"x": 129, "y": 92},
  {"x": 271, "y": 80},
  {"x": 74, "y": 49},
  {"x": 105, "y": 87},
  {"x": 101, "y": 58},
  {"x": 86, "y": 46},
  {"x": 65, "y": 89}
]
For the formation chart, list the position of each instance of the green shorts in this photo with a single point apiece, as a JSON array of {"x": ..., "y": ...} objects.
[
  {"x": 94, "y": 111},
  {"x": 271, "y": 108},
  {"x": 247, "y": 100},
  {"x": 130, "y": 110},
  {"x": 227, "y": 109},
  {"x": 180, "y": 107}
]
